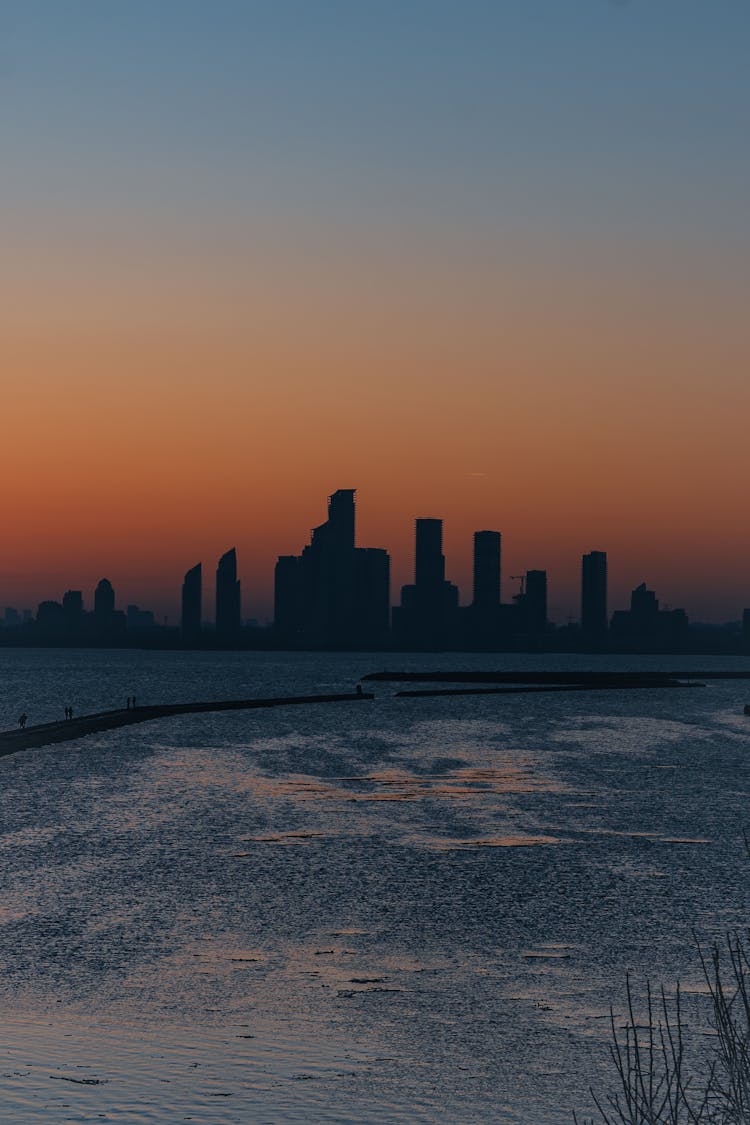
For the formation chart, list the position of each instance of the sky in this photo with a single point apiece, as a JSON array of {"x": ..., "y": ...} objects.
[{"x": 486, "y": 260}]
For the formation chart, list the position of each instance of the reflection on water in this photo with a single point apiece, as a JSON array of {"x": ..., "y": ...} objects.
[
  {"x": 495, "y": 842},
  {"x": 418, "y": 910}
]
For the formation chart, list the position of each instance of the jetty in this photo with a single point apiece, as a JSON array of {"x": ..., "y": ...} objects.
[
  {"x": 67, "y": 730},
  {"x": 551, "y": 679},
  {"x": 547, "y": 689}
]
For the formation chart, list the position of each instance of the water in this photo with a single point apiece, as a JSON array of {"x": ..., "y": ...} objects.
[{"x": 406, "y": 910}]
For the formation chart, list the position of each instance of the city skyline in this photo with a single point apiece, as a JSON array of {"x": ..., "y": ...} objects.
[
  {"x": 161, "y": 591},
  {"x": 457, "y": 253},
  {"x": 375, "y": 577},
  {"x": 337, "y": 591}
]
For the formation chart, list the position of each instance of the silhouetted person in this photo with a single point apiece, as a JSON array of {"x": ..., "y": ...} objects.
[
  {"x": 359, "y": 689},
  {"x": 133, "y": 703},
  {"x": 128, "y": 704},
  {"x": 70, "y": 712},
  {"x": 22, "y": 721}
]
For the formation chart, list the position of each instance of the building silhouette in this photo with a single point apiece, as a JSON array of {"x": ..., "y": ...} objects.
[
  {"x": 328, "y": 573},
  {"x": 486, "y": 592},
  {"x": 645, "y": 627},
  {"x": 104, "y": 602},
  {"x": 289, "y": 603},
  {"x": 335, "y": 593},
  {"x": 428, "y": 614},
  {"x": 644, "y": 609},
  {"x": 535, "y": 605},
  {"x": 73, "y": 613},
  {"x": 50, "y": 618},
  {"x": 108, "y": 624},
  {"x": 482, "y": 621},
  {"x": 228, "y": 597},
  {"x": 138, "y": 620},
  {"x": 373, "y": 602},
  {"x": 594, "y": 596},
  {"x": 192, "y": 605}
]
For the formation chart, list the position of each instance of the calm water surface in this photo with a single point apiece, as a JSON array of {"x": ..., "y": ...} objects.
[{"x": 405, "y": 910}]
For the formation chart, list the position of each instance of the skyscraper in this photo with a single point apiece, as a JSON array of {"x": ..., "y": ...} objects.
[
  {"x": 288, "y": 599},
  {"x": 108, "y": 623},
  {"x": 429, "y": 560},
  {"x": 427, "y": 616},
  {"x": 72, "y": 604},
  {"x": 104, "y": 602},
  {"x": 328, "y": 575},
  {"x": 192, "y": 600},
  {"x": 594, "y": 595},
  {"x": 228, "y": 609},
  {"x": 644, "y": 609},
  {"x": 334, "y": 593},
  {"x": 339, "y": 527},
  {"x": 372, "y": 607},
  {"x": 486, "y": 570}
]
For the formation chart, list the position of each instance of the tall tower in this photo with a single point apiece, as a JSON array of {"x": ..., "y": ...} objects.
[
  {"x": 429, "y": 608},
  {"x": 104, "y": 601},
  {"x": 429, "y": 560},
  {"x": 228, "y": 618},
  {"x": 192, "y": 604},
  {"x": 486, "y": 570},
  {"x": 594, "y": 594},
  {"x": 340, "y": 523},
  {"x": 334, "y": 593}
]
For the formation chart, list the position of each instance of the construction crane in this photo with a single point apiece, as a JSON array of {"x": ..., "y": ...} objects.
[{"x": 522, "y": 579}]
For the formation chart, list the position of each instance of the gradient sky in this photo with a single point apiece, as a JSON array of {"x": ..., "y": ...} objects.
[{"x": 481, "y": 259}]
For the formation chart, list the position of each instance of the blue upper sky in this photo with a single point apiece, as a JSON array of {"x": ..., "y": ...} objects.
[{"x": 592, "y": 111}]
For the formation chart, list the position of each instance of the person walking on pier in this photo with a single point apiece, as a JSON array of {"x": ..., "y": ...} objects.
[{"x": 22, "y": 720}]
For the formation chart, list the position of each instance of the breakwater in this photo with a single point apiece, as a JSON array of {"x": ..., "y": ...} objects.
[
  {"x": 46, "y": 734},
  {"x": 590, "y": 679}
]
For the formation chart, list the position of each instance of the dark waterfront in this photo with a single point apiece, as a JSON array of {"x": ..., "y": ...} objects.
[{"x": 410, "y": 910}]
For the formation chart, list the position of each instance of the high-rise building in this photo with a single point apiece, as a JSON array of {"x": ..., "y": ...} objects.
[
  {"x": 228, "y": 598},
  {"x": 104, "y": 601},
  {"x": 108, "y": 623},
  {"x": 72, "y": 604},
  {"x": 288, "y": 599},
  {"x": 644, "y": 609},
  {"x": 486, "y": 570},
  {"x": 334, "y": 593},
  {"x": 594, "y": 595},
  {"x": 328, "y": 573},
  {"x": 192, "y": 604},
  {"x": 339, "y": 527},
  {"x": 372, "y": 610},
  {"x": 645, "y": 627},
  {"x": 427, "y": 616},
  {"x": 429, "y": 560}
]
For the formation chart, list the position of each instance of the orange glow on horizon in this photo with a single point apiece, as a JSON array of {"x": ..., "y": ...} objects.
[{"x": 150, "y": 426}]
